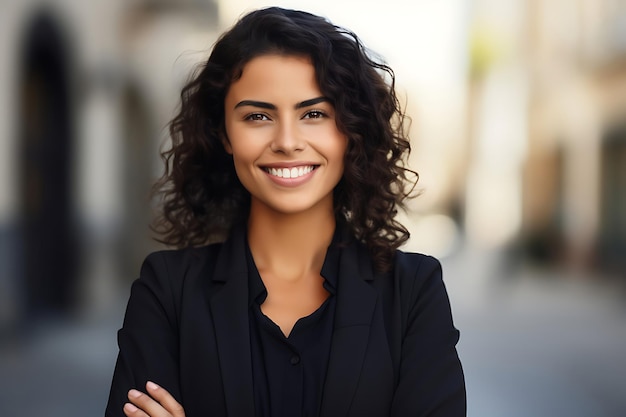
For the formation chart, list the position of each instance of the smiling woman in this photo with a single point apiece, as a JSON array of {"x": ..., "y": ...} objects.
[{"x": 288, "y": 154}]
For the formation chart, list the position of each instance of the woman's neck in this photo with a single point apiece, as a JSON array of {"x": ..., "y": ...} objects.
[{"x": 290, "y": 246}]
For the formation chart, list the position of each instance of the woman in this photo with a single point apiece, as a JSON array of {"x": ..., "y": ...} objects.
[{"x": 288, "y": 152}]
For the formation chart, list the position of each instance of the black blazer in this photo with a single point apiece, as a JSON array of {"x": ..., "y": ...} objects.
[{"x": 393, "y": 345}]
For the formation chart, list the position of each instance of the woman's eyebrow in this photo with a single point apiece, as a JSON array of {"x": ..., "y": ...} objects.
[
  {"x": 270, "y": 106},
  {"x": 253, "y": 103},
  {"x": 311, "y": 102}
]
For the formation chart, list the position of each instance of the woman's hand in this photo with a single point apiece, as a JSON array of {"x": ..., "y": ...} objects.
[{"x": 157, "y": 403}]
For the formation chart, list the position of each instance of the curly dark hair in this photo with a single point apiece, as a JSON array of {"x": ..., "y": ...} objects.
[{"x": 201, "y": 194}]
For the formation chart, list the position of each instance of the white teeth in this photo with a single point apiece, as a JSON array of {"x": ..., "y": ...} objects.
[{"x": 294, "y": 172}]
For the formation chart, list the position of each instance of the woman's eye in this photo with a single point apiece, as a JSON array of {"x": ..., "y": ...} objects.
[
  {"x": 314, "y": 114},
  {"x": 256, "y": 117}
]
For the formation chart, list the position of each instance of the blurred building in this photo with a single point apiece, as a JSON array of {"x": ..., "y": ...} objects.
[
  {"x": 87, "y": 89},
  {"x": 546, "y": 167},
  {"x": 575, "y": 179}
]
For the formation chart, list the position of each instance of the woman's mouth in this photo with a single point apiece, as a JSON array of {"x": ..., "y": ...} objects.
[{"x": 293, "y": 172}]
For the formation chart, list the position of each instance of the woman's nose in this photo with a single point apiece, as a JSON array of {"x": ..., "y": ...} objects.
[{"x": 287, "y": 139}]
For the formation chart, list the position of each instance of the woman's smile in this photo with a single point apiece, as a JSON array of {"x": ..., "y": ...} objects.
[
  {"x": 290, "y": 174},
  {"x": 294, "y": 172}
]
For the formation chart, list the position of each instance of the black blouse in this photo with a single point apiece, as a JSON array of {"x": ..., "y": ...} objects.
[{"x": 288, "y": 372}]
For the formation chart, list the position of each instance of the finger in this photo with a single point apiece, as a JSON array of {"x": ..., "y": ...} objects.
[
  {"x": 133, "y": 411},
  {"x": 147, "y": 406},
  {"x": 166, "y": 399}
]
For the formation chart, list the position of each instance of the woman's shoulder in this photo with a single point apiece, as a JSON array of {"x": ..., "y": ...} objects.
[
  {"x": 172, "y": 275},
  {"x": 415, "y": 261},
  {"x": 180, "y": 262},
  {"x": 413, "y": 270},
  {"x": 188, "y": 254}
]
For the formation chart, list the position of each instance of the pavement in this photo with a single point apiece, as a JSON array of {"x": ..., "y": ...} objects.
[
  {"x": 534, "y": 342},
  {"x": 537, "y": 341}
]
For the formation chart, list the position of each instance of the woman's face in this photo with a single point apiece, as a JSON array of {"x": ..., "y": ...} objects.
[{"x": 281, "y": 131}]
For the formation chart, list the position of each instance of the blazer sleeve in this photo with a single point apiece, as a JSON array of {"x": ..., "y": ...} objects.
[
  {"x": 148, "y": 339},
  {"x": 431, "y": 381}
]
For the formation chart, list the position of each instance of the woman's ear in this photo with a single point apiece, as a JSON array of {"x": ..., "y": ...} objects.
[{"x": 227, "y": 147}]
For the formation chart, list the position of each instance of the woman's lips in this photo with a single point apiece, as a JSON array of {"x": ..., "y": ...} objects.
[
  {"x": 291, "y": 175},
  {"x": 293, "y": 172}
]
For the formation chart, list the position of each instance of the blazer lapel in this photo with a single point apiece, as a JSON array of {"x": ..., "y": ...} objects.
[
  {"x": 356, "y": 301},
  {"x": 229, "y": 307}
]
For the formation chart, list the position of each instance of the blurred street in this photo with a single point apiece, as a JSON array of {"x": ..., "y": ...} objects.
[
  {"x": 533, "y": 343},
  {"x": 60, "y": 368},
  {"x": 538, "y": 343}
]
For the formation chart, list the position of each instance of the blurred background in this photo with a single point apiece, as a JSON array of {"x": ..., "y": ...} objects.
[{"x": 518, "y": 129}]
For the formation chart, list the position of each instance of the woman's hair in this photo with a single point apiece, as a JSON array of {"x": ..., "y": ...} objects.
[{"x": 201, "y": 194}]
